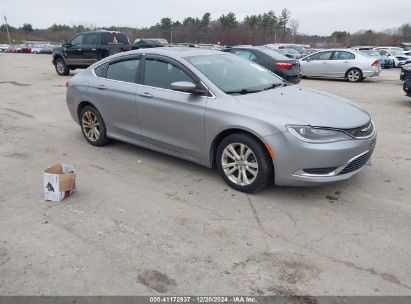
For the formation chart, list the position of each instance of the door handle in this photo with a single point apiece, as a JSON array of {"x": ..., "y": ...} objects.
[
  {"x": 79, "y": 49},
  {"x": 101, "y": 87},
  {"x": 145, "y": 94},
  {"x": 93, "y": 49},
  {"x": 346, "y": 62}
]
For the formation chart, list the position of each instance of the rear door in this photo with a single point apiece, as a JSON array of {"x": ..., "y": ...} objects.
[
  {"x": 316, "y": 64},
  {"x": 114, "y": 91},
  {"x": 340, "y": 63},
  {"x": 170, "y": 119}
]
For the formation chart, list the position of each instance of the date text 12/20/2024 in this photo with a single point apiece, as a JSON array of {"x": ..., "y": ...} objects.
[{"x": 203, "y": 299}]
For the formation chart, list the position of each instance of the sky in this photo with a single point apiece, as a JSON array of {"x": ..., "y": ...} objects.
[{"x": 320, "y": 17}]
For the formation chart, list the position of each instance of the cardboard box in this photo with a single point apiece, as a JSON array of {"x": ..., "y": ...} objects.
[{"x": 59, "y": 182}]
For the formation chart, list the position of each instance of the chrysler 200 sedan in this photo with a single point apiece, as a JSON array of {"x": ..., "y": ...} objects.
[{"x": 219, "y": 110}]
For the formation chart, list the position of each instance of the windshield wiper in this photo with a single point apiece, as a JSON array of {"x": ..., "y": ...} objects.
[
  {"x": 275, "y": 85},
  {"x": 243, "y": 91}
]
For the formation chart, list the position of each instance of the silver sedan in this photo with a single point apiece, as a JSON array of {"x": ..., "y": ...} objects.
[
  {"x": 219, "y": 110},
  {"x": 340, "y": 63}
]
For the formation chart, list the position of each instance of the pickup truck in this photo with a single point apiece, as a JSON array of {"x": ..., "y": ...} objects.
[{"x": 86, "y": 48}]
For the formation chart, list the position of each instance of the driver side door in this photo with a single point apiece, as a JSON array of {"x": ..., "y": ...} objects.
[
  {"x": 316, "y": 64},
  {"x": 170, "y": 119},
  {"x": 74, "y": 50}
]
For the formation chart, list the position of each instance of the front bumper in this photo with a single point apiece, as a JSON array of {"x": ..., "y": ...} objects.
[{"x": 292, "y": 156}]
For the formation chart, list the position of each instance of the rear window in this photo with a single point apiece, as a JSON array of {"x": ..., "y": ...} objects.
[
  {"x": 275, "y": 55},
  {"x": 111, "y": 38},
  {"x": 124, "y": 70}
]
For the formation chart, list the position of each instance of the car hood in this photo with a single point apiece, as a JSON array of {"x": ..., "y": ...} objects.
[{"x": 308, "y": 106}]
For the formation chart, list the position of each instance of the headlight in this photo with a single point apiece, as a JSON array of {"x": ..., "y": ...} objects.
[{"x": 317, "y": 135}]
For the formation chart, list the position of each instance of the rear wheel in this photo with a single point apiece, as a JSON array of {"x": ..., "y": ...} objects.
[
  {"x": 244, "y": 163},
  {"x": 354, "y": 75},
  {"x": 61, "y": 67},
  {"x": 93, "y": 126}
]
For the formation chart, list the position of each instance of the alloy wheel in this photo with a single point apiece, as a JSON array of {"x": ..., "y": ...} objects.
[
  {"x": 91, "y": 126},
  {"x": 60, "y": 67},
  {"x": 239, "y": 164},
  {"x": 353, "y": 75}
]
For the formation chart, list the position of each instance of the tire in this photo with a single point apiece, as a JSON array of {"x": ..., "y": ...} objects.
[
  {"x": 354, "y": 75},
  {"x": 93, "y": 126},
  {"x": 61, "y": 67},
  {"x": 257, "y": 165}
]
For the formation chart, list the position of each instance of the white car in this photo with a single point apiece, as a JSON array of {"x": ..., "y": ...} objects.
[
  {"x": 3, "y": 47},
  {"x": 398, "y": 56},
  {"x": 340, "y": 63},
  {"x": 390, "y": 48}
]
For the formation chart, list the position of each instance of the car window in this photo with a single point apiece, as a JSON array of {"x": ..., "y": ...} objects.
[
  {"x": 231, "y": 73},
  {"x": 245, "y": 54},
  {"x": 100, "y": 71},
  {"x": 78, "y": 40},
  {"x": 273, "y": 53},
  {"x": 383, "y": 52},
  {"x": 321, "y": 56},
  {"x": 162, "y": 74},
  {"x": 90, "y": 39},
  {"x": 340, "y": 55},
  {"x": 123, "y": 70},
  {"x": 109, "y": 38}
]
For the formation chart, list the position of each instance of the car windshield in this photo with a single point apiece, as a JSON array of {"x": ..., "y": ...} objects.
[
  {"x": 298, "y": 48},
  {"x": 396, "y": 53},
  {"x": 371, "y": 53},
  {"x": 233, "y": 74},
  {"x": 292, "y": 51}
]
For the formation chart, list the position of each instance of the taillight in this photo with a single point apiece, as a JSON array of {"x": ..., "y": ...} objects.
[
  {"x": 375, "y": 63},
  {"x": 283, "y": 65},
  {"x": 124, "y": 49}
]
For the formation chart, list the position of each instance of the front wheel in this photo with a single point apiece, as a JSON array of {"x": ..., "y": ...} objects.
[
  {"x": 244, "y": 163},
  {"x": 354, "y": 75}
]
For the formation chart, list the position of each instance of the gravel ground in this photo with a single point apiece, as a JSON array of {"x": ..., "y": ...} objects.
[{"x": 145, "y": 223}]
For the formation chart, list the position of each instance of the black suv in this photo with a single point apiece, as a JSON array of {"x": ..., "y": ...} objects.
[{"x": 84, "y": 49}]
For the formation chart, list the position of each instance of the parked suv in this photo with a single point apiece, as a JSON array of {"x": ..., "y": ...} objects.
[{"x": 84, "y": 49}]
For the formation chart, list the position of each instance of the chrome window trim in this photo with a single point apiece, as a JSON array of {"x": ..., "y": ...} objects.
[{"x": 213, "y": 96}]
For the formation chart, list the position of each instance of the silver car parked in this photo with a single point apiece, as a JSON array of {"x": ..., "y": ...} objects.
[
  {"x": 217, "y": 109},
  {"x": 340, "y": 63}
]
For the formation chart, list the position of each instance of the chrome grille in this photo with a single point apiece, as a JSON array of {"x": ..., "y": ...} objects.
[
  {"x": 360, "y": 132},
  {"x": 356, "y": 163}
]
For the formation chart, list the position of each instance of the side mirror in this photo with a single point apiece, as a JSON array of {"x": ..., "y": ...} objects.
[
  {"x": 64, "y": 43},
  {"x": 188, "y": 87}
]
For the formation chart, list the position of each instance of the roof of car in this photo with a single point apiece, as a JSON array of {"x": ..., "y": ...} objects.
[{"x": 179, "y": 52}]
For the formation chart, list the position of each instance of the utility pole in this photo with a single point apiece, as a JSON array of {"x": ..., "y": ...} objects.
[
  {"x": 171, "y": 34},
  {"x": 7, "y": 28}
]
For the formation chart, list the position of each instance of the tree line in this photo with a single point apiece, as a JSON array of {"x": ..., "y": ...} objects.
[{"x": 227, "y": 29}]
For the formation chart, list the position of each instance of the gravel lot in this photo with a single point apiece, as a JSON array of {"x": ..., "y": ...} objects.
[{"x": 144, "y": 223}]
